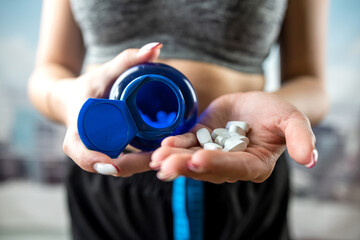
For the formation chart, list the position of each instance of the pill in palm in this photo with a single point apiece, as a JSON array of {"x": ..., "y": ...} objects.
[
  {"x": 203, "y": 136},
  {"x": 212, "y": 146},
  {"x": 235, "y": 129},
  {"x": 234, "y": 145},
  {"x": 230, "y": 139},
  {"x": 241, "y": 124},
  {"x": 240, "y": 137},
  {"x": 220, "y": 132},
  {"x": 221, "y": 140}
]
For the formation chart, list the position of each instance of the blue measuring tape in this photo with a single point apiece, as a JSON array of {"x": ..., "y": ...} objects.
[{"x": 188, "y": 209}]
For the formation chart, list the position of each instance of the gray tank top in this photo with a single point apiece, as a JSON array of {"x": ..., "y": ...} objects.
[{"x": 237, "y": 34}]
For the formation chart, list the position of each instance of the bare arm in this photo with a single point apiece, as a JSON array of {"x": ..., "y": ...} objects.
[
  {"x": 57, "y": 89},
  {"x": 302, "y": 47},
  {"x": 274, "y": 118},
  {"x": 60, "y": 56}
]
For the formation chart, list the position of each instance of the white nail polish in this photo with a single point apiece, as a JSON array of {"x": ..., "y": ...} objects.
[
  {"x": 155, "y": 165},
  {"x": 241, "y": 124},
  {"x": 166, "y": 178},
  {"x": 203, "y": 136},
  {"x": 105, "y": 168},
  {"x": 212, "y": 146},
  {"x": 148, "y": 47},
  {"x": 314, "y": 159}
]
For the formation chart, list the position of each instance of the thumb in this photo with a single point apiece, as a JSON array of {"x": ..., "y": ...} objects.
[
  {"x": 131, "y": 57},
  {"x": 300, "y": 140},
  {"x": 150, "y": 51}
]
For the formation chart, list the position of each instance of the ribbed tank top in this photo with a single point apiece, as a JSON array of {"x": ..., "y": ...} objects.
[{"x": 236, "y": 34}]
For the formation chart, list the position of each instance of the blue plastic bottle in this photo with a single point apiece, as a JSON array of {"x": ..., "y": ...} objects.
[{"x": 147, "y": 103}]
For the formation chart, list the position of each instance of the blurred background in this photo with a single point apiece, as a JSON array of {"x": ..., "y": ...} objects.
[{"x": 325, "y": 201}]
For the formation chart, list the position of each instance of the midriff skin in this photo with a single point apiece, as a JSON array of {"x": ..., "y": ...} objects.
[{"x": 211, "y": 81}]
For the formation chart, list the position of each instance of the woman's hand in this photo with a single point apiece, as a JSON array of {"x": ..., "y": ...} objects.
[
  {"x": 97, "y": 84},
  {"x": 274, "y": 125}
]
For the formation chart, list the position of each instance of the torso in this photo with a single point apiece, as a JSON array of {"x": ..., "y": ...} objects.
[
  {"x": 234, "y": 34},
  {"x": 211, "y": 81},
  {"x": 222, "y": 53}
]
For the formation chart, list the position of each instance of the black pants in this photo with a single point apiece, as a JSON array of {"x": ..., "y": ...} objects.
[{"x": 139, "y": 207}]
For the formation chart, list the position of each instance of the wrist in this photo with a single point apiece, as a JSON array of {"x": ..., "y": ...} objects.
[
  {"x": 64, "y": 98},
  {"x": 308, "y": 95}
]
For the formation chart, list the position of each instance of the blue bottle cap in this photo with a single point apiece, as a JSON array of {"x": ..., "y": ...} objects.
[
  {"x": 148, "y": 103},
  {"x": 106, "y": 126}
]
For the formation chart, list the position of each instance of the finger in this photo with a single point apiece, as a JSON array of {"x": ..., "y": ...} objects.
[
  {"x": 85, "y": 158},
  {"x": 214, "y": 166},
  {"x": 93, "y": 161},
  {"x": 300, "y": 140},
  {"x": 129, "y": 58},
  {"x": 186, "y": 140},
  {"x": 223, "y": 166},
  {"x": 173, "y": 166},
  {"x": 132, "y": 163},
  {"x": 151, "y": 50},
  {"x": 164, "y": 152}
]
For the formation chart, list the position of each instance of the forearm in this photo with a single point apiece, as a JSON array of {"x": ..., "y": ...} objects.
[
  {"x": 308, "y": 95},
  {"x": 49, "y": 87}
]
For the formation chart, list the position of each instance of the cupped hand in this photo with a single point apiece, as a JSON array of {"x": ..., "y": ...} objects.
[
  {"x": 97, "y": 84},
  {"x": 274, "y": 125}
]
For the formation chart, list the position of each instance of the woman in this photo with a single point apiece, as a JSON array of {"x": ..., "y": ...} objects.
[{"x": 220, "y": 47}]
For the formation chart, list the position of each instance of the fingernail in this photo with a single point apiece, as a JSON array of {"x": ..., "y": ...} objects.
[
  {"x": 194, "y": 168},
  {"x": 150, "y": 46},
  {"x": 154, "y": 165},
  {"x": 314, "y": 159},
  {"x": 231, "y": 181},
  {"x": 106, "y": 169},
  {"x": 165, "y": 177}
]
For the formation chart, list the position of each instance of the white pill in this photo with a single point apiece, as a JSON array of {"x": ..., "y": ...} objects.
[
  {"x": 203, "y": 136},
  {"x": 105, "y": 168},
  {"x": 220, "y": 132},
  {"x": 235, "y": 129},
  {"x": 212, "y": 146},
  {"x": 243, "y": 125},
  {"x": 240, "y": 137},
  {"x": 234, "y": 145},
  {"x": 221, "y": 140}
]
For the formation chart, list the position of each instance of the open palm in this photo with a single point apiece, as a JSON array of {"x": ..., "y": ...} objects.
[{"x": 274, "y": 125}]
